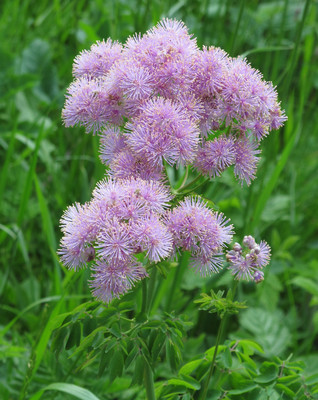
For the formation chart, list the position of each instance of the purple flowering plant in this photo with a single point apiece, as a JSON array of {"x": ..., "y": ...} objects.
[{"x": 159, "y": 102}]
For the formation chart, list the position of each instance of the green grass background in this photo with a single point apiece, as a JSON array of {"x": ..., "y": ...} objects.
[{"x": 45, "y": 167}]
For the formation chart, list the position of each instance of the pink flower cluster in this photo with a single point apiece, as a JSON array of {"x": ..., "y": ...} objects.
[
  {"x": 127, "y": 217},
  {"x": 159, "y": 98},
  {"x": 247, "y": 264}
]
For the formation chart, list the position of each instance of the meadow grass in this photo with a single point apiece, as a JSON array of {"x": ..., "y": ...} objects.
[{"x": 45, "y": 167}]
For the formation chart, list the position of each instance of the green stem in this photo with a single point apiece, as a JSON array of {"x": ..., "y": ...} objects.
[
  {"x": 150, "y": 387},
  {"x": 144, "y": 288},
  {"x": 221, "y": 329},
  {"x": 151, "y": 290},
  {"x": 190, "y": 183},
  {"x": 238, "y": 22},
  {"x": 212, "y": 366},
  {"x": 184, "y": 178},
  {"x": 195, "y": 188},
  {"x": 145, "y": 306}
]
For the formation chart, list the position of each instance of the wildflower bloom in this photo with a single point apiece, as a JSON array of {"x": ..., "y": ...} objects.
[
  {"x": 152, "y": 236},
  {"x": 158, "y": 99},
  {"x": 154, "y": 98},
  {"x": 113, "y": 278},
  {"x": 122, "y": 219},
  {"x": 197, "y": 229},
  {"x": 215, "y": 156},
  {"x": 163, "y": 131},
  {"x": 248, "y": 264},
  {"x": 98, "y": 60}
]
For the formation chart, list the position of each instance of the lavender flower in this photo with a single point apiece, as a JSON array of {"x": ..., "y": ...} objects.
[
  {"x": 158, "y": 99},
  {"x": 163, "y": 131},
  {"x": 113, "y": 278},
  {"x": 197, "y": 229},
  {"x": 247, "y": 264},
  {"x": 215, "y": 156},
  {"x": 245, "y": 159},
  {"x": 127, "y": 165},
  {"x": 98, "y": 60},
  {"x": 122, "y": 219},
  {"x": 114, "y": 241},
  {"x": 111, "y": 143},
  {"x": 152, "y": 236},
  {"x": 88, "y": 104},
  {"x": 75, "y": 250}
]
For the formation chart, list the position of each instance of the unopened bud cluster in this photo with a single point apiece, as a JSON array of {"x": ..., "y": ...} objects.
[{"x": 247, "y": 263}]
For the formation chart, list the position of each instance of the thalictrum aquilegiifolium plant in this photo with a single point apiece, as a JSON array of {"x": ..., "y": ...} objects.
[{"x": 159, "y": 102}]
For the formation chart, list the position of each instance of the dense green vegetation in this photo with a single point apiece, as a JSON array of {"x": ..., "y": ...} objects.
[{"x": 45, "y": 167}]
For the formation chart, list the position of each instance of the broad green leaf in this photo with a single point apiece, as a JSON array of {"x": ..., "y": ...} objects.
[
  {"x": 226, "y": 358},
  {"x": 286, "y": 390},
  {"x": 312, "y": 379},
  {"x": 195, "y": 385},
  {"x": 289, "y": 379},
  {"x": 305, "y": 283},
  {"x": 268, "y": 327},
  {"x": 74, "y": 390},
  {"x": 157, "y": 346},
  {"x": 268, "y": 372},
  {"x": 248, "y": 346},
  {"x": 190, "y": 367},
  {"x": 242, "y": 385},
  {"x": 116, "y": 364},
  {"x": 138, "y": 375},
  {"x": 89, "y": 340},
  {"x": 249, "y": 363},
  {"x": 210, "y": 352}
]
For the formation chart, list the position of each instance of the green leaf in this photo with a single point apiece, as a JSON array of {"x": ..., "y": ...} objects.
[
  {"x": 269, "y": 328},
  {"x": 268, "y": 372},
  {"x": 289, "y": 380},
  {"x": 116, "y": 364},
  {"x": 312, "y": 379},
  {"x": 189, "y": 379},
  {"x": 241, "y": 384},
  {"x": 89, "y": 340},
  {"x": 75, "y": 336},
  {"x": 131, "y": 356},
  {"x": 248, "y": 346},
  {"x": 226, "y": 358},
  {"x": 59, "y": 340},
  {"x": 307, "y": 284},
  {"x": 190, "y": 367},
  {"x": 173, "y": 354},
  {"x": 187, "y": 382},
  {"x": 74, "y": 390},
  {"x": 285, "y": 390},
  {"x": 157, "y": 346},
  {"x": 249, "y": 364},
  {"x": 138, "y": 375},
  {"x": 216, "y": 303},
  {"x": 210, "y": 352}
]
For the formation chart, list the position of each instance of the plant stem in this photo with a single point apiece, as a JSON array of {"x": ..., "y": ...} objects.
[
  {"x": 192, "y": 190},
  {"x": 151, "y": 290},
  {"x": 190, "y": 183},
  {"x": 144, "y": 296},
  {"x": 221, "y": 329},
  {"x": 145, "y": 306},
  {"x": 212, "y": 367},
  {"x": 184, "y": 178}
]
